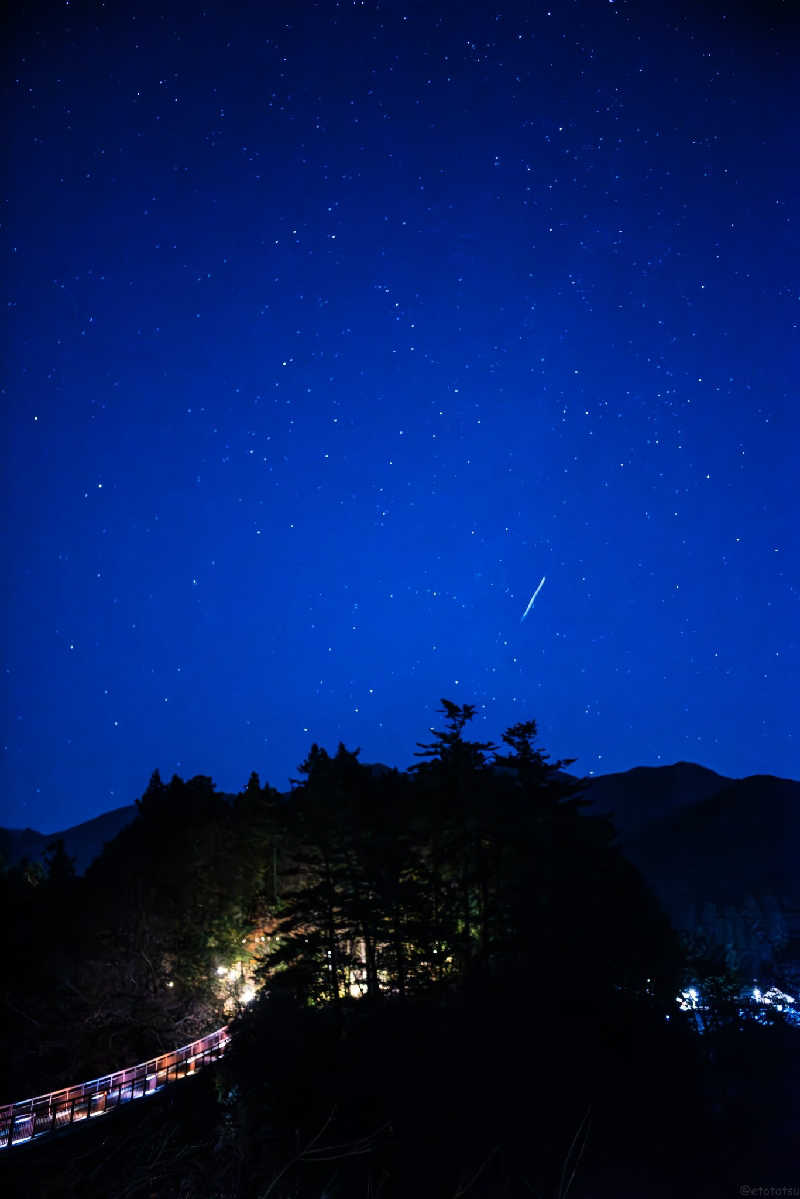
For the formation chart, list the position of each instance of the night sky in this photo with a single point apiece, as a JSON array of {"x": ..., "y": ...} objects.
[{"x": 335, "y": 327}]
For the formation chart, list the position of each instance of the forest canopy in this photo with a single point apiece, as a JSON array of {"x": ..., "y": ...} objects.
[{"x": 395, "y": 951}]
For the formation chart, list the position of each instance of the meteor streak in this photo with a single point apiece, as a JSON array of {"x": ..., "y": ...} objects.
[{"x": 533, "y": 597}]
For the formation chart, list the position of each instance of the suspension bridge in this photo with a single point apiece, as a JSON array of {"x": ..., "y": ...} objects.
[{"x": 28, "y": 1119}]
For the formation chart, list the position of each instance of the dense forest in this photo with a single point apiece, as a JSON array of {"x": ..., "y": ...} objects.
[{"x": 442, "y": 982}]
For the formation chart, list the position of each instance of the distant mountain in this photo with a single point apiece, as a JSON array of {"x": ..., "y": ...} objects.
[
  {"x": 638, "y": 797},
  {"x": 83, "y": 842},
  {"x": 709, "y": 846},
  {"x": 742, "y": 841}
]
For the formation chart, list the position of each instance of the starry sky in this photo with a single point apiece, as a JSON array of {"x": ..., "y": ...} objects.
[{"x": 335, "y": 327}]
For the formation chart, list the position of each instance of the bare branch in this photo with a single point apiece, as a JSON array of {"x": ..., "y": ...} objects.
[
  {"x": 462, "y": 1190},
  {"x": 580, "y": 1139}
]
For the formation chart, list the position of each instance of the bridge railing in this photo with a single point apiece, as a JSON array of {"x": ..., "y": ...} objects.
[{"x": 29, "y": 1118}]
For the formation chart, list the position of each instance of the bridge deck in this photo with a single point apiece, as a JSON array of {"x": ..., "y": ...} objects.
[{"x": 22, "y": 1121}]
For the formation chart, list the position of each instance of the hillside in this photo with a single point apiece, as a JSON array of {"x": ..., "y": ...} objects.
[
  {"x": 741, "y": 841},
  {"x": 83, "y": 842}
]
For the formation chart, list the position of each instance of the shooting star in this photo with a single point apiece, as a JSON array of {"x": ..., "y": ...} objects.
[{"x": 533, "y": 597}]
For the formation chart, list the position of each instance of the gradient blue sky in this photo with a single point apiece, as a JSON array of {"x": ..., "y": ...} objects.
[{"x": 335, "y": 327}]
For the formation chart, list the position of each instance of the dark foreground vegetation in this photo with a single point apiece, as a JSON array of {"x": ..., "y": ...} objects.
[{"x": 464, "y": 990}]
